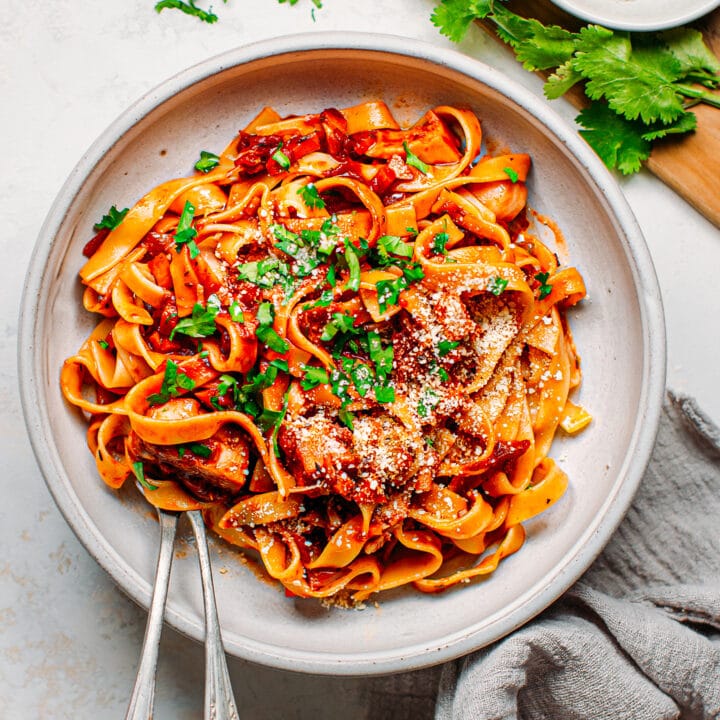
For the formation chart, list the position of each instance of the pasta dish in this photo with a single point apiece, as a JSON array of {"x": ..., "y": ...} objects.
[{"x": 342, "y": 340}]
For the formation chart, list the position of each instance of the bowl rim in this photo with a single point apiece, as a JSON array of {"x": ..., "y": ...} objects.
[
  {"x": 649, "y": 403},
  {"x": 617, "y": 22}
]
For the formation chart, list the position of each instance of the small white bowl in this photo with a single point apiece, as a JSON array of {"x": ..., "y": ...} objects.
[
  {"x": 619, "y": 332},
  {"x": 639, "y": 15}
]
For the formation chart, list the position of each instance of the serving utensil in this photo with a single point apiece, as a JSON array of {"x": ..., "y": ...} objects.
[{"x": 219, "y": 699}]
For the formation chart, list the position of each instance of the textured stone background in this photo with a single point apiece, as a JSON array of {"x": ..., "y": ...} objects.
[{"x": 69, "y": 640}]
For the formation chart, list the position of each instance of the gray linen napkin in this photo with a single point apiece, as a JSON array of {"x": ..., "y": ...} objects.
[{"x": 638, "y": 636}]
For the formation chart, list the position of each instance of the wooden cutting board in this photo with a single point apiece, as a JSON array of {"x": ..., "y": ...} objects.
[{"x": 690, "y": 165}]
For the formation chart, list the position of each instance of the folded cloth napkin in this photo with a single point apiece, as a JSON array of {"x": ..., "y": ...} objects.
[{"x": 638, "y": 637}]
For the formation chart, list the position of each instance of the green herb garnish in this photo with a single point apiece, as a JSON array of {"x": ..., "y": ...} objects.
[
  {"x": 414, "y": 161},
  {"x": 189, "y": 8},
  {"x": 185, "y": 234},
  {"x": 281, "y": 158},
  {"x": 139, "y": 471},
  {"x": 511, "y": 174},
  {"x": 445, "y": 346},
  {"x": 208, "y": 161},
  {"x": 311, "y": 197},
  {"x": 202, "y": 321},
  {"x": 545, "y": 287},
  {"x": 173, "y": 382},
  {"x": 496, "y": 285},
  {"x": 112, "y": 219},
  {"x": 640, "y": 84}
]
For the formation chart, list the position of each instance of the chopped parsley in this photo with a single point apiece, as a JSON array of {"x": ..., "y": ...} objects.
[
  {"x": 384, "y": 393},
  {"x": 281, "y": 158},
  {"x": 104, "y": 344},
  {"x": 511, "y": 174},
  {"x": 388, "y": 291},
  {"x": 392, "y": 244},
  {"x": 139, "y": 471},
  {"x": 202, "y": 321},
  {"x": 545, "y": 287},
  {"x": 185, "y": 234},
  {"x": 445, "y": 346},
  {"x": 496, "y": 285},
  {"x": 208, "y": 161},
  {"x": 314, "y": 376},
  {"x": 265, "y": 332},
  {"x": 413, "y": 160},
  {"x": 196, "y": 448},
  {"x": 439, "y": 243},
  {"x": 112, "y": 219},
  {"x": 382, "y": 357},
  {"x": 172, "y": 384},
  {"x": 235, "y": 312},
  {"x": 429, "y": 399},
  {"x": 339, "y": 324},
  {"x": 311, "y": 197},
  {"x": 267, "y": 273},
  {"x": 353, "y": 262}
]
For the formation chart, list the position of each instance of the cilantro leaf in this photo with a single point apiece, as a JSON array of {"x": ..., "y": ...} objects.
[
  {"x": 561, "y": 81},
  {"x": 635, "y": 83},
  {"x": 685, "y": 123},
  {"x": 617, "y": 141},
  {"x": 453, "y": 17},
  {"x": 689, "y": 48},
  {"x": 112, "y": 219}
]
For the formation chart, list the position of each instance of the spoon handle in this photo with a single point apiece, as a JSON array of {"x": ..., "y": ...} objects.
[
  {"x": 219, "y": 699},
  {"x": 143, "y": 695}
]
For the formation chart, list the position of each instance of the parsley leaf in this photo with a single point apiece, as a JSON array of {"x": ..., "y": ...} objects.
[
  {"x": 265, "y": 331},
  {"x": 392, "y": 244},
  {"x": 235, "y": 312},
  {"x": 445, "y": 346},
  {"x": 496, "y": 285},
  {"x": 388, "y": 291},
  {"x": 202, "y": 321},
  {"x": 311, "y": 197},
  {"x": 112, "y": 219},
  {"x": 511, "y": 174},
  {"x": 173, "y": 380},
  {"x": 185, "y": 234},
  {"x": 139, "y": 471},
  {"x": 353, "y": 262},
  {"x": 413, "y": 160},
  {"x": 208, "y": 161},
  {"x": 281, "y": 158},
  {"x": 545, "y": 287},
  {"x": 314, "y": 376},
  {"x": 439, "y": 243}
]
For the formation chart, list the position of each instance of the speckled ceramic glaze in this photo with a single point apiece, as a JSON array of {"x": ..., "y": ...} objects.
[
  {"x": 618, "y": 329},
  {"x": 640, "y": 15}
]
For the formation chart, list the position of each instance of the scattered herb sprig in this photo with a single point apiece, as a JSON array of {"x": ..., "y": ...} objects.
[
  {"x": 641, "y": 85},
  {"x": 189, "y": 8}
]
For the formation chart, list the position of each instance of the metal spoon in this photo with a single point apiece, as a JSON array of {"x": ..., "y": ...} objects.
[{"x": 219, "y": 700}]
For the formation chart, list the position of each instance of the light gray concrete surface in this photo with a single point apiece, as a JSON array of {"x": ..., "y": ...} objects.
[{"x": 69, "y": 639}]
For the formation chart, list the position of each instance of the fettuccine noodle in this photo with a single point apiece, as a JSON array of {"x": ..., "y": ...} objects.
[{"x": 340, "y": 339}]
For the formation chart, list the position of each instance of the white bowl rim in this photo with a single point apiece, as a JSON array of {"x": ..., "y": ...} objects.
[
  {"x": 640, "y": 444},
  {"x": 617, "y": 21}
]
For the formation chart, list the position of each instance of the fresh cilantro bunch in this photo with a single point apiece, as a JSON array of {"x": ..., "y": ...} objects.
[{"x": 641, "y": 85}]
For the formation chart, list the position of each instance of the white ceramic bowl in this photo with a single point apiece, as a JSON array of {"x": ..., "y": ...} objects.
[
  {"x": 639, "y": 15},
  {"x": 619, "y": 331}
]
